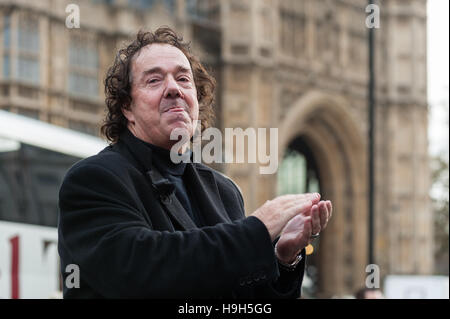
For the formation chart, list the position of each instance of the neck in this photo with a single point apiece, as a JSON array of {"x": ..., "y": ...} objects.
[{"x": 167, "y": 144}]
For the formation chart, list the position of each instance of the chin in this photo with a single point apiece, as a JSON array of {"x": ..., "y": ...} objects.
[{"x": 182, "y": 126}]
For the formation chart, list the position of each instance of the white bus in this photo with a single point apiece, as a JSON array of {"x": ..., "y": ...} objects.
[{"x": 34, "y": 156}]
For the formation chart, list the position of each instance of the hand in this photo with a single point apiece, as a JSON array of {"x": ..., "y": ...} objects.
[
  {"x": 276, "y": 213},
  {"x": 297, "y": 233},
  {"x": 295, "y": 237}
]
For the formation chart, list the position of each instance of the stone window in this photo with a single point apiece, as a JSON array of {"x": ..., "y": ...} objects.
[
  {"x": 203, "y": 9},
  {"x": 6, "y": 69},
  {"x": 83, "y": 67},
  {"x": 27, "y": 48},
  {"x": 27, "y": 69},
  {"x": 147, "y": 4},
  {"x": 292, "y": 32}
]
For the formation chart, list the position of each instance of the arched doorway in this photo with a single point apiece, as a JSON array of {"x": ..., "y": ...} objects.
[
  {"x": 322, "y": 130},
  {"x": 298, "y": 170},
  {"x": 297, "y": 174}
]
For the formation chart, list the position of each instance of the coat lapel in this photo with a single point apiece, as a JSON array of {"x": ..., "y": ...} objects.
[
  {"x": 207, "y": 195},
  {"x": 164, "y": 190},
  {"x": 201, "y": 181}
]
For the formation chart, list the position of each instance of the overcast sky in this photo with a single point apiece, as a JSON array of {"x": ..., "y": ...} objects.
[{"x": 438, "y": 75}]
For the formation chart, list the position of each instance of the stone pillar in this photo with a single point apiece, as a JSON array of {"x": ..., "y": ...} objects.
[
  {"x": 408, "y": 214},
  {"x": 249, "y": 88}
]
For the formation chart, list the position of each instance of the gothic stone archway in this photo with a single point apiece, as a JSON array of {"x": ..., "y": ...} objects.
[{"x": 339, "y": 149}]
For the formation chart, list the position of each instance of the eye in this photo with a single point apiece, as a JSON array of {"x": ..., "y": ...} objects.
[
  {"x": 153, "y": 79},
  {"x": 183, "y": 79}
]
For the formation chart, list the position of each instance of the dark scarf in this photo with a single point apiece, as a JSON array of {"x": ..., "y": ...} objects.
[{"x": 174, "y": 173}]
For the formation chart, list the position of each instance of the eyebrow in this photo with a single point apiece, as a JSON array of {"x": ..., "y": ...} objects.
[{"x": 157, "y": 69}]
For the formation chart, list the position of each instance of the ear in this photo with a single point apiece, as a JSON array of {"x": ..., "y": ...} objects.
[{"x": 126, "y": 111}]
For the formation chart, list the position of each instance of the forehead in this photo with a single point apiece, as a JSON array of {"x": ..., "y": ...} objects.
[{"x": 159, "y": 55}]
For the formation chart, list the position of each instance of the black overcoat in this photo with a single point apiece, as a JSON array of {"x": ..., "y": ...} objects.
[{"x": 113, "y": 226}]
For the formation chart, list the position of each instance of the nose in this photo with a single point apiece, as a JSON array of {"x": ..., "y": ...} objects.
[{"x": 172, "y": 89}]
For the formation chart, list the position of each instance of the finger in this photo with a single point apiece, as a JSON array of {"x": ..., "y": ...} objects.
[
  {"x": 289, "y": 197},
  {"x": 294, "y": 237},
  {"x": 323, "y": 211},
  {"x": 309, "y": 196},
  {"x": 308, "y": 227},
  {"x": 289, "y": 200},
  {"x": 315, "y": 198},
  {"x": 297, "y": 203},
  {"x": 315, "y": 219},
  {"x": 304, "y": 236},
  {"x": 297, "y": 200},
  {"x": 330, "y": 209},
  {"x": 301, "y": 209},
  {"x": 307, "y": 233}
]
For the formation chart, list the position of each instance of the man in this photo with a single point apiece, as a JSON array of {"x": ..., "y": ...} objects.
[{"x": 140, "y": 226}]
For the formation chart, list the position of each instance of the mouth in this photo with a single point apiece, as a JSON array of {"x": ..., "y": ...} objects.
[{"x": 175, "y": 109}]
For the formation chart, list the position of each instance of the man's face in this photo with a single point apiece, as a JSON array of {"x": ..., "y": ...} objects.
[{"x": 164, "y": 96}]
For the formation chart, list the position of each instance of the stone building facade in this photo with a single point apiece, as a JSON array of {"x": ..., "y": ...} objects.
[{"x": 297, "y": 65}]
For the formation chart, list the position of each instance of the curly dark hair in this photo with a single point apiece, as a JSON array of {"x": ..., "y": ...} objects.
[{"x": 118, "y": 81}]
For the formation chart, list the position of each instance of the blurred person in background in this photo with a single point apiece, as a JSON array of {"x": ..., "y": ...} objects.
[{"x": 369, "y": 293}]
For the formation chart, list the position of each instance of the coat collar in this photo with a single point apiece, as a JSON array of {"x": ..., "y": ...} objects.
[
  {"x": 207, "y": 194},
  {"x": 199, "y": 179},
  {"x": 135, "y": 150}
]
